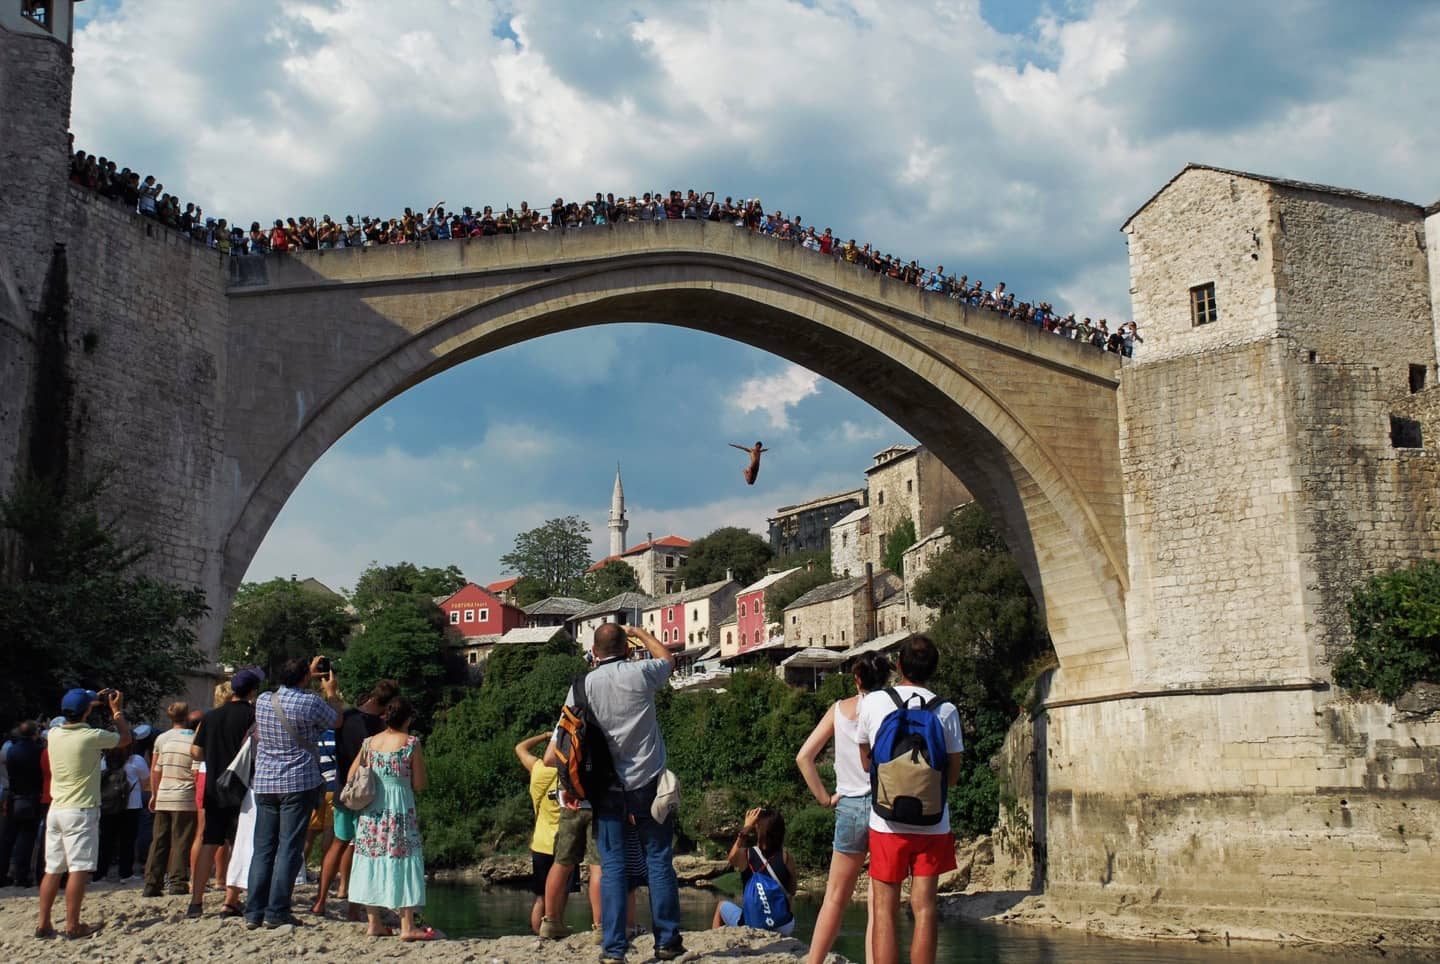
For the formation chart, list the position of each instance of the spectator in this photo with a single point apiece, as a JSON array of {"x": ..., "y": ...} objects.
[
  {"x": 72, "y": 827},
  {"x": 223, "y": 692},
  {"x": 621, "y": 697},
  {"x": 217, "y": 740},
  {"x": 173, "y": 802},
  {"x": 574, "y": 841},
  {"x": 544, "y": 801},
  {"x": 900, "y": 850},
  {"x": 850, "y": 801},
  {"x": 322, "y": 818},
  {"x": 286, "y": 786},
  {"x": 389, "y": 864},
  {"x": 123, "y": 779},
  {"x": 759, "y": 848},
  {"x": 357, "y": 725},
  {"x": 22, "y": 813}
]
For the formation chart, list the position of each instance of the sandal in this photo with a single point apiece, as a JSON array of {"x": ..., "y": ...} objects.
[
  {"x": 428, "y": 934},
  {"x": 318, "y": 909},
  {"x": 385, "y": 932},
  {"x": 230, "y": 910},
  {"x": 82, "y": 932},
  {"x": 44, "y": 933}
]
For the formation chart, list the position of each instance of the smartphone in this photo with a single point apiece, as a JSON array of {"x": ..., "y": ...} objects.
[{"x": 322, "y": 666}]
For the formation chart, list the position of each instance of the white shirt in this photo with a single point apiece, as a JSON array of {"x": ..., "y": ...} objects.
[
  {"x": 851, "y": 780},
  {"x": 874, "y": 707}
]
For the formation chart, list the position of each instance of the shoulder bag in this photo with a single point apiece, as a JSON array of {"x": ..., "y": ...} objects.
[
  {"x": 234, "y": 782},
  {"x": 303, "y": 743},
  {"x": 359, "y": 790}
]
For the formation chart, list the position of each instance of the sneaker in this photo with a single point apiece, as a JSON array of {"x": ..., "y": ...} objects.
[
  {"x": 612, "y": 960},
  {"x": 598, "y": 934},
  {"x": 252, "y": 925},
  {"x": 289, "y": 920},
  {"x": 670, "y": 951},
  {"x": 195, "y": 910},
  {"x": 553, "y": 930}
]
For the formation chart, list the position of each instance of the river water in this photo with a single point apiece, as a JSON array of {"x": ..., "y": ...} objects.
[{"x": 469, "y": 910}]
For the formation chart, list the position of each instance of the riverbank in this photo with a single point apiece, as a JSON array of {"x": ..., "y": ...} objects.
[{"x": 137, "y": 929}]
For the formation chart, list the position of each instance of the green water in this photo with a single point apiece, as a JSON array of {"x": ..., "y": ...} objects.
[{"x": 468, "y": 910}]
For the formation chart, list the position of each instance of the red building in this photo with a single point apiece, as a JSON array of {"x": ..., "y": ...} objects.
[
  {"x": 475, "y": 612},
  {"x": 752, "y": 627}
]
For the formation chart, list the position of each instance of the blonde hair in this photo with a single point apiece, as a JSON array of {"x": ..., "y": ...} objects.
[
  {"x": 178, "y": 711},
  {"x": 223, "y": 692}
]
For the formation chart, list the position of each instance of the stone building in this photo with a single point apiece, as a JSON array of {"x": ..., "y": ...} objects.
[
  {"x": 688, "y": 618},
  {"x": 918, "y": 559},
  {"x": 659, "y": 564},
  {"x": 839, "y": 614},
  {"x": 908, "y": 482},
  {"x": 627, "y": 609},
  {"x": 806, "y": 527},
  {"x": 850, "y": 543},
  {"x": 553, "y": 611}
]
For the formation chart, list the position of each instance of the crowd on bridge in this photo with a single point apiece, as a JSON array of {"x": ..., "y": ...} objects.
[{"x": 149, "y": 198}]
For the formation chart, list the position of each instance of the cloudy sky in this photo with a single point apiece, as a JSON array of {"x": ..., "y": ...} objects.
[{"x": 1007, "y": 140}]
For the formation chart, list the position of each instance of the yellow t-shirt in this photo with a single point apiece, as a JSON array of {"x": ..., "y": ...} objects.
[
  {"x": 75, "y": 751},
  {"x": 544, "y": 781}
]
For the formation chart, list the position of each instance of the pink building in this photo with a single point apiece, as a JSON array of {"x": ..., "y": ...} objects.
[{"x": 751, "y": 626}]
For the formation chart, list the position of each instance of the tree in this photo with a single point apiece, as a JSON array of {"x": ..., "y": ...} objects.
[
  {"x": 529, "y": 590},
  {"x": 815, "y": 573},
  {"x": 378, "y": 583},
  {"x": 79, "y": 614},
  {"x": 555, "y": 554},
  {"x": 404, "y": 641},
  {"x": 271, "y": 622},
  {"x": 901, "y": 537},
  {"x": 1395, "y": 618},
  {"x": 992, "y": 644},
  {"x": 611, "y": 579},
  {"x": 740, "y": 551}
]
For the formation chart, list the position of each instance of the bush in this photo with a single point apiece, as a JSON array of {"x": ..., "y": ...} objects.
[
  {"x": 809, "y": 833},
  {"x": 1396, "y": 621}
]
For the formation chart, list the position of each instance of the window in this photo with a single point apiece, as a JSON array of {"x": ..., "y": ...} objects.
[
  {"x": 682, "y": 560},
  {"x": 728, "y": 639},
  {"x": 1202, "y": 304},
  {"x": 37, "y": 12},
  {"x": 695, "y": 615},
  {"x": 844, "y": 539},
  {"x": 669, "y": 585},
  {"x": 670, "y": 614},
  {"x": 880, "y": 496},
  {"x": 1417, "y": 378},
  {"x": 742, "y": 639},
  {"x": 692, "y": 639},
  {"x": 1405, "y": 433},
  {"x": 902, "y": 622},
  {"x": 794, "y": 619},
  {"x": 469, "y": 615},
  {"x": 822, "y": 639},
  {"x": 473, "y": 659},
  {"x": 484, "y": 616},
  {"x": 454, "y": 617},
  {"x": 842, "y": 635},
  {"x": 742, "y": 609},
  {"x": 669, "y": 562},
  {"x": 909, "y": 486}
]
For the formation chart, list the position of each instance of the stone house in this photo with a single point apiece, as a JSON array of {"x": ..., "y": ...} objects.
[
  {"x": 840, "y": 614},
  {"x": 627, "y": 609},
  {"x": 849, "y": 542},
  {"x": 659, "y": 564},
  {"x": 918, "y": 559},
  {"x": 908, "y": 482},
  {"x": 554, "y": 611},
  {"x": 806, "y": 527}
]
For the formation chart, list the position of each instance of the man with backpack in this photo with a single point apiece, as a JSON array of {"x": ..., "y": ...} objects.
[
  {"x": 910, "y": 742},
  {"x": 616, "y": 700}
]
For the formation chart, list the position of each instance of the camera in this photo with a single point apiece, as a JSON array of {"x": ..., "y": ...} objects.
[
  {"x": 322, "y": 666},
  {"x": 105, "y": 694}
]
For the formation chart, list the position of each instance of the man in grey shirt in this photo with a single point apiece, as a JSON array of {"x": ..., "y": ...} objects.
[{"x": 621, "y": 696}]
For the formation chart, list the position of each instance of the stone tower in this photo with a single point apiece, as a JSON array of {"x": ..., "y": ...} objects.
[{"x": 619, "y": 525}]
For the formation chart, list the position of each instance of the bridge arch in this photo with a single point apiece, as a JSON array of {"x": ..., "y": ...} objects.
[{"x": 1027, "y": 421}]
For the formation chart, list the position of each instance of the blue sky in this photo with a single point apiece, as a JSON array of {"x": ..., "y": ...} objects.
[{"x": 1006, "y": 140}]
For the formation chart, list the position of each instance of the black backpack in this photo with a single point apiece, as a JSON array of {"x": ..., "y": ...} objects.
[
  {"x": 114, "y": 792},
  {"x": 586, "y": 769}
]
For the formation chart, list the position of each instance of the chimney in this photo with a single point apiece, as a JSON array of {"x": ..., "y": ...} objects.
[
  {"x": 729, "y": 575},
  {"x": 650, "y": 538},
  {"x": 870, "y": 601}
]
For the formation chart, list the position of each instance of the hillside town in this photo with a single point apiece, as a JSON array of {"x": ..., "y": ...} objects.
[{"x": 720, "y": 626}]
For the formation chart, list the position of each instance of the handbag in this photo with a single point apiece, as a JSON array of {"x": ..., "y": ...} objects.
[
  {"x": 234, "y": 782},
  {"x": 359, "y": 790}
]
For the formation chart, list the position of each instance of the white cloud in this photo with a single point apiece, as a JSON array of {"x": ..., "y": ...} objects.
[{"x": 775, "y": 394}]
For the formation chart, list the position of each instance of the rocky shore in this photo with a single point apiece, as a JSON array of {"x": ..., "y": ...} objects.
[{"x": 135, "y": 930}]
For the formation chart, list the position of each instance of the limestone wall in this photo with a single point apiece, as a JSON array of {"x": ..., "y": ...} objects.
[
  {"x": 1287, "y": 803},
  {"x": 1432, "y": 254}
]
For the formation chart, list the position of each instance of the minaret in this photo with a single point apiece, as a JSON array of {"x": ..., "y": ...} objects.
[{"x": 619, "y": 525}]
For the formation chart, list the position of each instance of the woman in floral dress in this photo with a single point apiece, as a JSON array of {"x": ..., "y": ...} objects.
[{"x": 389, "y": 868}]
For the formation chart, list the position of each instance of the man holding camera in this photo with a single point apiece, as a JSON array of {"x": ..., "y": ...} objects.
[
  {"x": 72, "y": 828},
  {"x": 288, "y": 725}
]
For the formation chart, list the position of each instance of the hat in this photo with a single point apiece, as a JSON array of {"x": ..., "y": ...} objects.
[
  {"x": 247, "y": 678},
  {"x": 76, "y": 703},
  {"x": 142, "y": 731},
  {"x": 58, "y": 721},
  {"x": 667, "y": 797}
]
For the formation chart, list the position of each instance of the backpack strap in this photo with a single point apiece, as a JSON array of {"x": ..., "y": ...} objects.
[
  {"x": 766, "y": 864},
  {"x": 935, "y": 703},
  {"x": 890, "y": 692}
]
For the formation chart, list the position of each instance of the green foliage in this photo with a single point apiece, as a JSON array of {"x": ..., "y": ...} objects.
[
  {"x": 901, "y": 537},
  {"x": 815, "y": 572},
  {"x": 992, "y": 641},
  {"x": 529, "y": 590},
  {"x": 740, "y": 551},
  {"x": 477, "y": 802},
  {"x": 378, "y": 583},
  {"x": 271, "y": 622},
  {"x": 555, "y": 554},
  {"x": 611, "y": 579},
  {"x": 80, "y": 616},
  {"x": 404, "y": 640},
  {"x": 1396, "y": 621}
]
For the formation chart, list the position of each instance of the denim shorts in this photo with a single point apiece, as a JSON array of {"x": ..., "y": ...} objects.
[{"x": 852, "y": 825}]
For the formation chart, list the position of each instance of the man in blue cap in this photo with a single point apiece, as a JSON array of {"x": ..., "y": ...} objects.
[{"x": 72, "y": 827}]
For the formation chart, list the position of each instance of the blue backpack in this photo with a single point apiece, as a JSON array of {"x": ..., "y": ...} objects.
[
  {"x": 765, "y": 904},
  {"x": 908, "y": 763}
]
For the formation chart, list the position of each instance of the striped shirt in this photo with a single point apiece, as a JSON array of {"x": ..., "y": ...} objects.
[
  {"x": 281, "y": 764},
  {"x": 327, "y": 758},
  {"x": 175, "y": 790}
]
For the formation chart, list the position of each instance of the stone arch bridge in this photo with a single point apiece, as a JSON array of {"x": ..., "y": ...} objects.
[{"x": 1028, "y": 421}]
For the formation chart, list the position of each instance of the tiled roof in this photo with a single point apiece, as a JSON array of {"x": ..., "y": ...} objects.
[
  {"x": 664, "y": 542},
  {"x": 1276, "y": 181},
  {"x": 502, "y": 585},
  {"x": 887, "y": 584},
  {"x": 537, "y": 634},
  {"x": 879, "y": 644},
  {"x": 690, "y": 595},
  {"x": 556, "y": 606},
  {"x": 624, "y": 602},
  {"x": 854, "y": 517},
  {"x": 770, "y": 580}
]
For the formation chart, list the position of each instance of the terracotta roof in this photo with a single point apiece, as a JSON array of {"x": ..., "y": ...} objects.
[
  {"x": 502, "y": 585},
  {"x": 664, "y": 542},
  {"x": 1277, "y": 182}
]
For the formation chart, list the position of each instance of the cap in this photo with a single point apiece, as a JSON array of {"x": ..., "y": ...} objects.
[
  {"x": 76, "y": 703},
  {"x": 142, "y": 731},
  {"x": 59, "y": 721},
  {"x": 667, "y": 797},
  {"x": 247, "y": 678}
]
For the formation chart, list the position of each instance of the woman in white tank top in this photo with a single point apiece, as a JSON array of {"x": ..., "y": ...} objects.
[{"x": 850, "y": 801}]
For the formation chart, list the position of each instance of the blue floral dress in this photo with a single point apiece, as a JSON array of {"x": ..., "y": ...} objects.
[{"x": 389, "y": 868}]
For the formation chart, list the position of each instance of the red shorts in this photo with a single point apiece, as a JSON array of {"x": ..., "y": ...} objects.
[{"x": 895, "y": 856}]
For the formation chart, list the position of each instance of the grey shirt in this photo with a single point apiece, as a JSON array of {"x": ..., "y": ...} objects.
[{"x": 622, "y": 698}]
